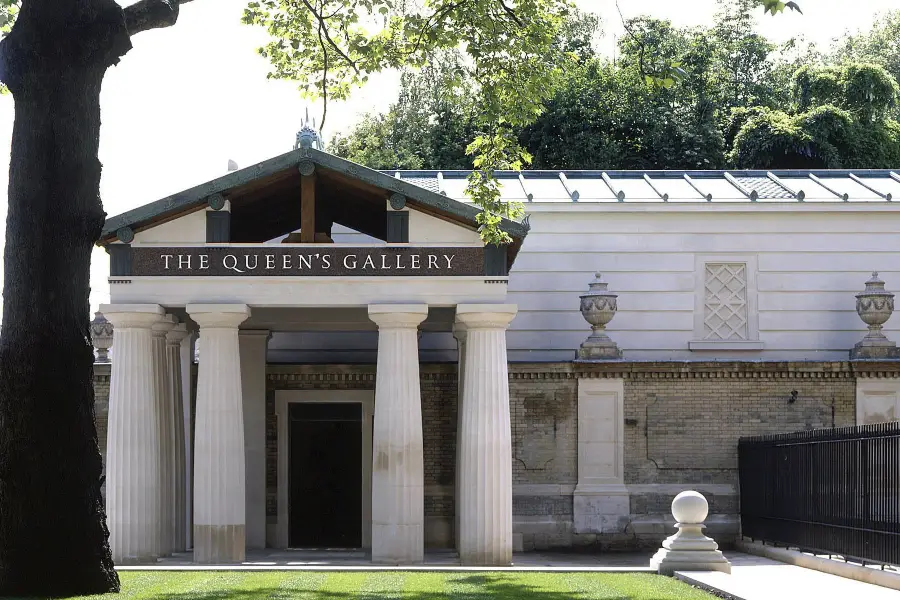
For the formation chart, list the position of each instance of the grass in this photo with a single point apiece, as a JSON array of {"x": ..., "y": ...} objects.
[{"x": 395, "y": 585}]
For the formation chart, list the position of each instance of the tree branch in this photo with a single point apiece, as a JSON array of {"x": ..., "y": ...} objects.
[
  {"x": 151, "y": 14},
  {"x": 323, "y": 28},
  {"x": 511, "y": 13}
]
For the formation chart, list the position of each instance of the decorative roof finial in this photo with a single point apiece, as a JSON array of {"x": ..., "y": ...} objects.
[{"x": 308, "y": 136}]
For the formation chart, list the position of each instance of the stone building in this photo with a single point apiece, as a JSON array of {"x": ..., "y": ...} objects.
[{"x": 370, "y": 376}]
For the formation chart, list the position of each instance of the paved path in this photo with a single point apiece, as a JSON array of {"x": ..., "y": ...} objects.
[{"x": 758, "y": 578}]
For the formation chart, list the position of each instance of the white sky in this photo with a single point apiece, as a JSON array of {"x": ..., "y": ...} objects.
[{"x": 188, "y": 98}]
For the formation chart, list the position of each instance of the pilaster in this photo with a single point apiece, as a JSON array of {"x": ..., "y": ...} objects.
[
  {"x": 253, "y": 383},
  {"x": 219, "y": 460},
  {"x": 166, "y": 424},
  {"x": 485, "y": 438},
  {"x": 459, "y": 332},
  {"x": 398, "y": 474},
  {"x": 601, "y": 501},
  {"x": 133, "y": 448},
  {"x": 179, "y": 508}
]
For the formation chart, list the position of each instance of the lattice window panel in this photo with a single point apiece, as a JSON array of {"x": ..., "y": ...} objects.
[{"x": 726, "y": 312}]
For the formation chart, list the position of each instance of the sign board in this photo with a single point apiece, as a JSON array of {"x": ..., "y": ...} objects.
[{"x": 318, "y": 261}]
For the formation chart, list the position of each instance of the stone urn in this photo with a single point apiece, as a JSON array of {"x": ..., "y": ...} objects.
[
  {"x": 101, "y": 336},
  {"x": 598, "y": 307},
  {"x": 874, "y": 305}
]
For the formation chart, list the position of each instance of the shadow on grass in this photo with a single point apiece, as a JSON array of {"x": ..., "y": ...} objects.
[{"x": 462, "y": 587}]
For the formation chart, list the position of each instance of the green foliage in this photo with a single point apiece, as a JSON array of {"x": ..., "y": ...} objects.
[
  {"x": 772, "y": 139},
  {"x": 825, "y": 137},
  {"x": 868, "y": 91},
  {"x": 607, "y": 118},
  {"x": 877, "y": 46},
  {"x": 776, "y": 6},
  {"x": 428, "y": 127},
  {"x": 514, "y": 60}
]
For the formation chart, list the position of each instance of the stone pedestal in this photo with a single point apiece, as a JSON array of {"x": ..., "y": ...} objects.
[
  {"x": 133, "y": 447},
  {"x": 485, "y": 507},
  {"x": 398, "y": 477},
  {"x": 689, "y": 549},
  {"x": 219, "y": 469},
  {"x": 173, "y": 367},
  {"x": 166, "y": 426}
]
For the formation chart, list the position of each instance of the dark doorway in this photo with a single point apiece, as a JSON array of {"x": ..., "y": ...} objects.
[{"x": 325, "y": 475}]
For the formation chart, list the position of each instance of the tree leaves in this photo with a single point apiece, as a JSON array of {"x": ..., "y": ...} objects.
[
  {"x": 776, "y": 6},
  {"x": 330, "y": 47}
]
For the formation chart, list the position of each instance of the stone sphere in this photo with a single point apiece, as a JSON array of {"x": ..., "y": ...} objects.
[{"x": 690, "y": 507}]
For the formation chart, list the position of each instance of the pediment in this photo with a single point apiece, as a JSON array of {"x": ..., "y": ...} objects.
[{"x": 265, "y": 201}]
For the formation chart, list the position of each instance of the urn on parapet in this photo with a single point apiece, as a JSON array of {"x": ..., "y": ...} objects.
[
  {"x": 874, "y": 305},
  {"x": 598, "y": 307},
  {"x": 101, "y": 336}
]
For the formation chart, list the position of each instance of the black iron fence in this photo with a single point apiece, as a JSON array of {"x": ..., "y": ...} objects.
[{"x": 833, "y": 491}]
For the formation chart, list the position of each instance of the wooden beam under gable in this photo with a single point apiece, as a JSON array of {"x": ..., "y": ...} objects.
[{"x": 308, "y": 209}]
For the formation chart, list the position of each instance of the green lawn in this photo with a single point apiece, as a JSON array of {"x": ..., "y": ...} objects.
[{"x": 307, "y": 585}]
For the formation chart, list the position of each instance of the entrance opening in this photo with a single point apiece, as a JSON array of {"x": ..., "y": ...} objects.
[{"x": 325, "y": 475}]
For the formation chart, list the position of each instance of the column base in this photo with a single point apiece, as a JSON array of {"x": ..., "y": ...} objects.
[
  {"x": 398, "y": 544},
  {"x": 480, "y": 560},
  {"x": 219, "y": 544}
]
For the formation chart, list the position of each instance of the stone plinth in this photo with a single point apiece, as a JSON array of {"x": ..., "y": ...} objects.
[
  {"x": 689, "y": 549},
  {"x": 398, "y": 471},
  {"x": 485, "y": 438},
  {"x": 219, "y": 467},
  {"x": 132, "y": 439}
]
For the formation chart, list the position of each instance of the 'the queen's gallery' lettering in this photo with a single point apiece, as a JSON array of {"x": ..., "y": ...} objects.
[{"x": 292, "y": 261}]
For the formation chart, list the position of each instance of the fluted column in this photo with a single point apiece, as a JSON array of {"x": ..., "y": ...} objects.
[
  {"x": 459, "y": 332},
  {"x": 219, "y": 472},
  {"x": 485, "y": 438},
  {"x": 133, "y": 448},
  {"x": 166, "y": 424},
  {"x": 398, "y": 478},
  {"x": 173, "y": 368}
]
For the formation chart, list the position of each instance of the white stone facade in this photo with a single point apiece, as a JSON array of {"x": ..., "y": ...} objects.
[{"x": 472, "y": 426}]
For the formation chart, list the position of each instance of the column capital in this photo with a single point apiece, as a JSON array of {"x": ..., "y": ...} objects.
[
  {"x": 164, "y": 325},
  {"x": 459, "y": 331},
  {"x": 486, "y": 316},
  {"x": 398, "y": 316},
  {"x": 132, "y": 315},
  {"x": 219, "y": 315},
  {"x": 177, "y": 334}
]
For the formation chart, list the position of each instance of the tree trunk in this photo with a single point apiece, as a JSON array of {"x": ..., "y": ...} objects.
[{"x": 53, "y": 534}]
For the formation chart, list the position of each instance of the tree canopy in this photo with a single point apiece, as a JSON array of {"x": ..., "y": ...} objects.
[{"x": 740, "y": 101}]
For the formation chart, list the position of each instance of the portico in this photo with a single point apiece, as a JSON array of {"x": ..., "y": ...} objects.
[{"x": 231, "y": 263}]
